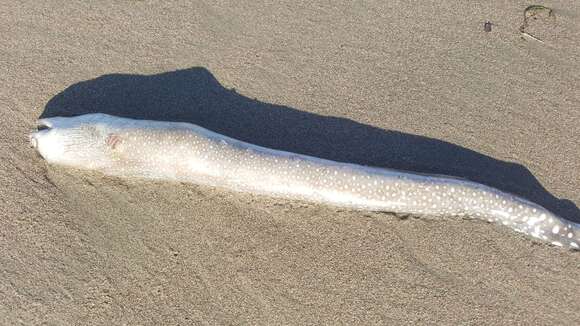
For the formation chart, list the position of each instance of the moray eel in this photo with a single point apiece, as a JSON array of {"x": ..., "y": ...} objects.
[{"x": 188, "y": 153}]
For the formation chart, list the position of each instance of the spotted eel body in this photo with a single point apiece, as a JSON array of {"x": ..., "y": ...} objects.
[{"x": 188, "y": 153}]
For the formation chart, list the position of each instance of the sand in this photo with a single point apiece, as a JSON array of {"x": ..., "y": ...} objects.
[{"x": 411, "y": 85}]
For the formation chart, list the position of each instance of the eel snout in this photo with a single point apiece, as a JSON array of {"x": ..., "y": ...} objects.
[{"x": 42, "y": 126}]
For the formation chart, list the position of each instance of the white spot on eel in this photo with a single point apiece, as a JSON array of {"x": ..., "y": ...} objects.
[{"x": 188, "y": 153}]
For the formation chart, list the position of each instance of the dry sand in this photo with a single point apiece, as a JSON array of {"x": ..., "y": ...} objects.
[{"x": 412, "y": 85}]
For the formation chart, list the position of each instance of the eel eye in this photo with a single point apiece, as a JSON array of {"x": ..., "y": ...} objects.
[{"x": 42, "y": 126}]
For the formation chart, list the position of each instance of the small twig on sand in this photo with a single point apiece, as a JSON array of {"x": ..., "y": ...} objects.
[{"x": 530, "y": 36}]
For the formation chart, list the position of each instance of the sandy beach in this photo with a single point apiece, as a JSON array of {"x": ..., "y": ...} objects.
[{"x": 397, "y": 84}]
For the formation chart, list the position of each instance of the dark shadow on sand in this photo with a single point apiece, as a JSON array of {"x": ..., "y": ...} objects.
[{"x": 194, "y": 95}]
